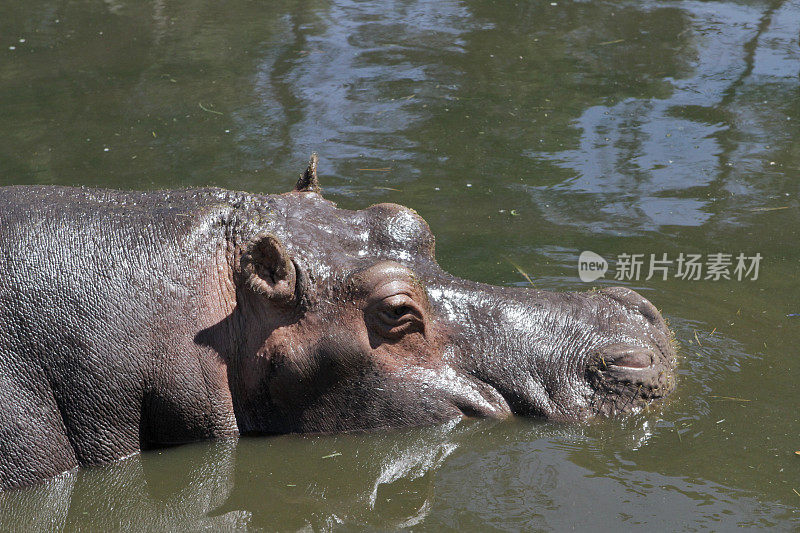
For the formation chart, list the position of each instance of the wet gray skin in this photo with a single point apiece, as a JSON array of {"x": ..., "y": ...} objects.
[{"x": 136, "y": 320}]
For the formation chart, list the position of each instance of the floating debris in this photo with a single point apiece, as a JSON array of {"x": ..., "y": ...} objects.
[
  {"x": 770, "y": 208},
  {"x": 334, "y": 454},
  {"x": 209, "y": 110},
  {"x": 732, "y": 398},
  {"x": 519, "y": 269}
]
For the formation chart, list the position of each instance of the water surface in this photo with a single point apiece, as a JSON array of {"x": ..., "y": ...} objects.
[{"x": 524, "y": 133}]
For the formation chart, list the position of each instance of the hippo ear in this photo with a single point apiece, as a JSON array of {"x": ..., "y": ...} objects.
[
  {"x": 268, "y": 268},
  {"x": 309, "y": 182}
]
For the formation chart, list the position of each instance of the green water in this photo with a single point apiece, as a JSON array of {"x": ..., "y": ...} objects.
[{"x": 523, "y": 132}]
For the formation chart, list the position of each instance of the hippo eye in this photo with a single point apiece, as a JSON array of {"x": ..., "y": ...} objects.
[
  {"x": 398, "y": 315},
  {"x": 401, "y": 310}
]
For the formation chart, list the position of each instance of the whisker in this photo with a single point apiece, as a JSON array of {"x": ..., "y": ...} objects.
[
  {"x": 602, "y": 403},
  {"x": 631, "y": 398}
]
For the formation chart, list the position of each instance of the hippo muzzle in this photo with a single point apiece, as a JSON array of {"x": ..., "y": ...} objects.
[{"x": 561, "y": 356}]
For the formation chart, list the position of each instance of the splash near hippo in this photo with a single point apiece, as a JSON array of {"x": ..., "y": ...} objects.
[{"x": 133, "y": 320}]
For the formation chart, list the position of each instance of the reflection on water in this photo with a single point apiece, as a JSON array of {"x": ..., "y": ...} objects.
[
  {"x": 157, "y": 491},
  {"x": 339, "y": 76},
  {"x": 558, "y": 485},
  {"x": 402, "y": 479},
  {"x": 287, "y": 482},
  {"x": 526, "y": 131},
  {"x": 638, "y": 156}
]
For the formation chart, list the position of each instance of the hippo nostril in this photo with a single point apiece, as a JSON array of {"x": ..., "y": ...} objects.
[
  {"x": 624, "y": 377},
  {"x": 627, "y": 367},
  {"x": 630, "y": 358},
  {"x": 633, "y": 300},
  {"x": 626, "y": 356}
]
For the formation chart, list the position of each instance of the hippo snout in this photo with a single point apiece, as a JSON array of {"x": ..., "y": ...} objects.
[
  {"x": 564, "y": 356},
  {"x": 627, "y": 357},
  {"x": 629, "y": 373}
]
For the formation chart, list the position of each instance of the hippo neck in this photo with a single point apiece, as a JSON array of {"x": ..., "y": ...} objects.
[{"x": 242, "y": 319}]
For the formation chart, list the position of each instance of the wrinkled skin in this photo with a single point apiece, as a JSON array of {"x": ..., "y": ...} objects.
[{"x": 132, "y": 320}]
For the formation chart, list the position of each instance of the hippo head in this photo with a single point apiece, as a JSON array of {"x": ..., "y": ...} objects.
[{"x": 349, "y": 323}]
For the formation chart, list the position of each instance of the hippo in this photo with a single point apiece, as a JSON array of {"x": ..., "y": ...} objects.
[{"x": 136, "y": 320}]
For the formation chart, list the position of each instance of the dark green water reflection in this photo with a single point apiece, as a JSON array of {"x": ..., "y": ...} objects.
[{"x": 524, "y": 132}]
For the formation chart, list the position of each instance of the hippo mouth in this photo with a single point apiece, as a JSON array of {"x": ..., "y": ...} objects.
[{"x": 627, "y": 377}]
